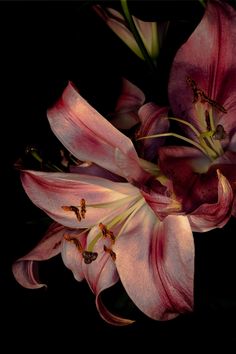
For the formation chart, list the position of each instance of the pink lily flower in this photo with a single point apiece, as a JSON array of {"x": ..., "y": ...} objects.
[
  {"x": 148, "y": 31},
  {"x": 123, "y": 228},
  {"x": 202, "y": 93},
  {"x": 154, "y": 259}
]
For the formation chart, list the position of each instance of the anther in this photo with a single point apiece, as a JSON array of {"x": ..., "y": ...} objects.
[
  {"x": 200, "y": 94},
  {"x": 75, "y": 241},
  {"x": 106, "y": 232},
  {"x": 82, "y": 208},
  {"x": 109, "y": 250},
  {"x": 208, "y": 122},
  {"x": 74, "y": 209},
  {"x": 220, "y": 133},
  {"x": 89, "y": 257}
]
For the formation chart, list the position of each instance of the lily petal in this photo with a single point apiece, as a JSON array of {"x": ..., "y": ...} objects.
[
  {"x": 71, "y": 257},
  {"x": 209, "y": 216},
  {"x": 94, "y": 170},
  {"x": 90, "y": 137},
  {"x": 153, "y": 121},
  {"x": 181, "y": 164},
  {"x": 155, "y": 262},
  {"x": 25, "y": 268},
  {"x": 214, "y": 71},
  {"x": 100, "y": 275},
  {"x": 127, "y": 106},
  {"x": 118, "y": 25},
  {"x": 52, "y": 191}
]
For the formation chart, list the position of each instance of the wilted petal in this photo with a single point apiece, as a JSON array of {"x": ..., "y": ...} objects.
[
  {"x": 52, "y": 191},
  {"x": 208, "y": 57},
  {"x": 153, "y": 121},
  {"x": 25, "y": 269},
  {"x": 211, "y": 215},
  {"x": 90, "y": 137},
  {"x": 155, "y": 262}
]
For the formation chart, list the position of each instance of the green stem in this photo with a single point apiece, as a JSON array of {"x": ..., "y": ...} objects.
[
  {"x": 136, "y": 34},
  {"x": 202, "y": 2}
]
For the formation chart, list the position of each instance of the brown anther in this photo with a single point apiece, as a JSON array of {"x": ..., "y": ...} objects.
[
  {"x": 89, "y": 257},
  {"x": 103, "y": 229},
  {"x": 75, "y": 241},
  {"x": 74, "y": 209},
  {"x": 199, "y": 94},
  {"x": 220, "y": 133},
  {"x": 109, "y": 250},
  {"x": 111, "y": 236},
  {"x": 106, "y": 232},
  {"x": 83, "y": 208},
  {"x": 208, "y": 122}
]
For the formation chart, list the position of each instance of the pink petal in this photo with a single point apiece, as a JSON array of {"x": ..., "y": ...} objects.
[
  {"x": 211, "y": 215},
  {"x": 153, "y": 121},
  {"x": 90, "y": 137},
  {"x": 127, "y": 106},
  {"x": 25, "y": 268},
  {"x": 52, "y": 191},
  {"x": 208, "y": 57},
  {"x": 181, "y": 164},
  {"x": 71, "y": 256},
  {"x": 131, "y": 97},
  {"x": 94, "y": 170},
  {"x": 100, "y": 275},
  {"x": 155, "y": 262},
  {"x": 227, "y": 166},
  {"x": 108, "y": 316}
]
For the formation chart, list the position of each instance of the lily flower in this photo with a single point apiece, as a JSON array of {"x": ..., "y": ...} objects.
[
  {"x": 148, "y": 31},
  {"x": 154, "y": 257},
  {"x": 132, "y": 228},
  {"x": 202, "y": 94}
]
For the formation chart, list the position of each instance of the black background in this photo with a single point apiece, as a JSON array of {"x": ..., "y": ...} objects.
[{"x": 43, "y": 45}]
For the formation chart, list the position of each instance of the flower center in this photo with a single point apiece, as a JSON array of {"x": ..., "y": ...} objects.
[
  {"x": 209, "y": 139},
  {"x": 103, "y": 229}
]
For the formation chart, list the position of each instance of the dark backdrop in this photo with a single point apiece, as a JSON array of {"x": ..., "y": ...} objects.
[{"x": 43, "y": 45}]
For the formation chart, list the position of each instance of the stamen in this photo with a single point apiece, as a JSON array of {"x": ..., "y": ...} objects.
[
  {"x": 74, "y": 209},
  {"x": 208, "y": 121},
  {"x": 190, "y": 141},
  {"x": 220, "y": 133},
  {"x": 82, "y": 208},
  {"x": 109, "y": 250},
  {"x": 200, "y": 94},
  {"x": 106, "y": 232},
  {"x": 75, "y": 241},
  {"x": 89, "y": 257}
]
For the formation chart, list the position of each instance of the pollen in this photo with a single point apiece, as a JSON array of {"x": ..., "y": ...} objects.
[
  {"x": 106, "y": 232},
  {"x": 220, "y": 133},
  {"x": 75, "y": 241},
  {"x": 89, "y": 257},
  {"x": 74, "y": 209},
  {"x": 83, "y": 208},
  {"x": 109, "y": 250},
  {"x": 78, "y": 211},
  {"x": 199, "y": 94}
]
